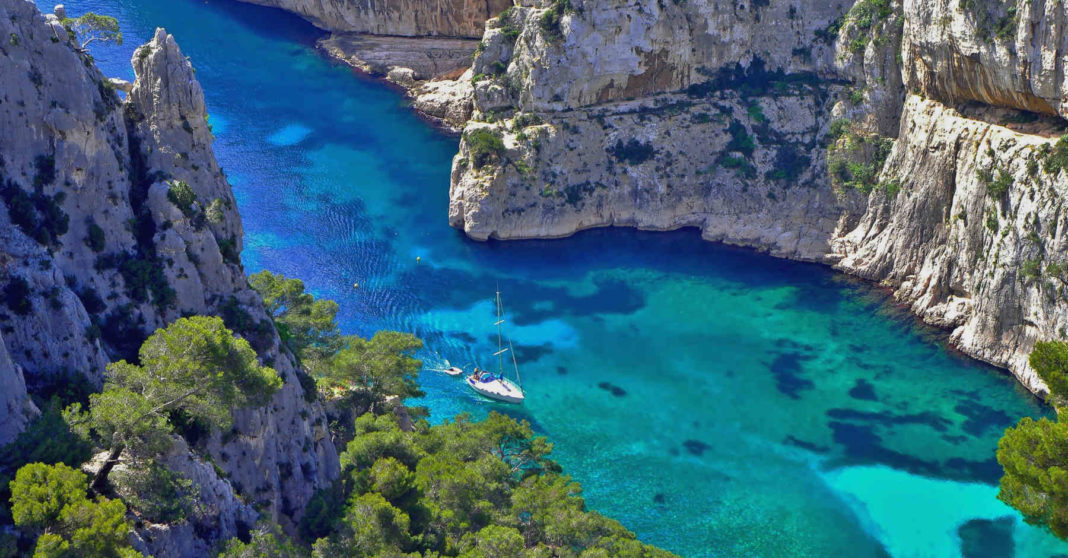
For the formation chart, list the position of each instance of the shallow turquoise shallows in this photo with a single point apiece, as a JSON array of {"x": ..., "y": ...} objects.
[{"x": 716, "y": 401}]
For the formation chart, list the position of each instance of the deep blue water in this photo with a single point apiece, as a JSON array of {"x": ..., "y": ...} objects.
[{"x": 716, "y": 401}]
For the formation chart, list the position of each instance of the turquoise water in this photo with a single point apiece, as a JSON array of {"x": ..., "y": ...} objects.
[{"x": 717, "y": 402}]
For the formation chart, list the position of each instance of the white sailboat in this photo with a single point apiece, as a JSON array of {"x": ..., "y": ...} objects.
[{"x": 496, "y": 386}]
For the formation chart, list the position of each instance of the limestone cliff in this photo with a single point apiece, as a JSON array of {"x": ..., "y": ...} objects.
[
  {"x": 16, "y": 409},
  {"x": 406, "y": 18},
  {"x": 655, "y": 115},
  {"x": 785, "y": 126},
  {"x": 117, "y": 220}
]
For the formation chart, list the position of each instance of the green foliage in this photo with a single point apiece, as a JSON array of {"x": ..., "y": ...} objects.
[
  {"x": 38, "y": 215},
  {"x": 855, "y": 159},
  {"x": 1055, "y": 159},
  {"x": 1049, "y": 359},
  {"x": 45, "y": 165},
  {"x": 1034, "y": 455},
  {"x": 507, "y": 24},
  {"x": 461, "y": 488},
  {"x": 322, "y": 513},
  {"x": 1031, "y": 270},
  {"x": 49, "y": 439},
  {"x": 633, "y": 152},
  {"x": 157, "y": 493},
  {"x": 307, "y": 326},
  {"x": 740, "y": 165},
  {"x": 143, "y": 276},
  {"x": 51, "y": 500},
  {"x": 182, "y": 195},
  {"x": 993, "y": 18},
  {"x": 17, "y": 296},
  {"x": 756, "y": 112},
  {"x": 550, "y": 20},
  {"x": 194, "y": 366},
  {"x": 789, "y": 164},
  {"x": 485, "y": 147},
  {"x": 996, "y": 186},
  {"x": 268, "y": 541},
  {"x": 95, "y": 238},
  {"x": 740, "y": 141},
  {"x": 382, "y": 366},
  {"x": 93, "y": 27}
]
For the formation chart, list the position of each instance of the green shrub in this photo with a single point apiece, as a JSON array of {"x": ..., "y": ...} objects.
[
  {"x": 740, "y": 165},
  {"x": 1055, "y": 159},
  {"x": 855, "y": 160},
  {"x": 741, "y": 141},
  {"x": 95, "y": 239},
  {"x": 992, "y": 18},
  {"x": 485, "y": 146},
  {"x": 633, "y": 152},
  {"x": 1031, "y": 270},
  {"x": 46, "y": 170},
  {"x": 157, "y": 493},
  {"x": 143, "y": 276},
  {"x": 17, "y": 296},
  {"x": 550, "y": 20},
  {"x": 228, "y": 249},
  {"x": 996, "y": 186},
  {"x": 38, "y": 215},
  {"x": 182, "y": 195}
]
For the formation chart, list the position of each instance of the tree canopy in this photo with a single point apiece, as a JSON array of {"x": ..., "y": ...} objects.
[
  {"x": 462, "y": 488},
  {"x": 344, "y": 366},
  {"x": 1050, "y": 361},
  {"x": 94, "y": 27},
  {"x": 194, "y": 366},
  {"x": 383, "y": 366},
  {"x": 307, "y": 325},
  {"x": 51, "y": 500},
  {"x": 1034, "y": 453}
]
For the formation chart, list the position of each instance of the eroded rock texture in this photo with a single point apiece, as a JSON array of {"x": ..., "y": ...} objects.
[
  {"x": 789, "y": 127},
  {"x": 117, "y": 220}
]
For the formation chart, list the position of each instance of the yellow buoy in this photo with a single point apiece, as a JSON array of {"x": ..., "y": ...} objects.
[
  {"x": 355, "y": 285},
  {"x": 418, "y": 259}
]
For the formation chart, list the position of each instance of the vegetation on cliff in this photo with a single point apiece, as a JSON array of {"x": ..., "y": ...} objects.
[
  {"x": 462, "y": 488},
  {"x": 1034, "y": 453}
]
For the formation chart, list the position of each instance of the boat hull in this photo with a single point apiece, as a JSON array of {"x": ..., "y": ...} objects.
[{"x": 498, "y": 390}]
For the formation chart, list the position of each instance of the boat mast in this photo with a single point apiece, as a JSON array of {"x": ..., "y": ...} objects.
[{"x": 500, "y": 344}]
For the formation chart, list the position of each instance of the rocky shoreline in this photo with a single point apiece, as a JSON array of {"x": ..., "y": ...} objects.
[
  {"x": 829, "y": 133},
  {"x": 433, "y": 73}
]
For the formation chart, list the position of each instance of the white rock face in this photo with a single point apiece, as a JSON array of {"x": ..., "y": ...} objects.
[
  {"x": 16, "y": 409},
  {"x": 218, "y": 514},
  {"x": 99, "y": 255},
  {"x": 987, "y": 54},
  {"x": 958, "y": 255},
  {"x": 663, "y": 163},
  {"x": 633, "y": 114},
  {"x": 605, "y": 50},
  {"x": 406, "y": 18}
]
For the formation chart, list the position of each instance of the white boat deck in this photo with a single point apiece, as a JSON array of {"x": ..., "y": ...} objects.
[{"x": 501, "y": 390}]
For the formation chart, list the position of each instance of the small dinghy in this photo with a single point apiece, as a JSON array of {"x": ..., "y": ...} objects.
[
  {"x": 496, "y": 386},
  {"x": 449, "y": 369}
]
